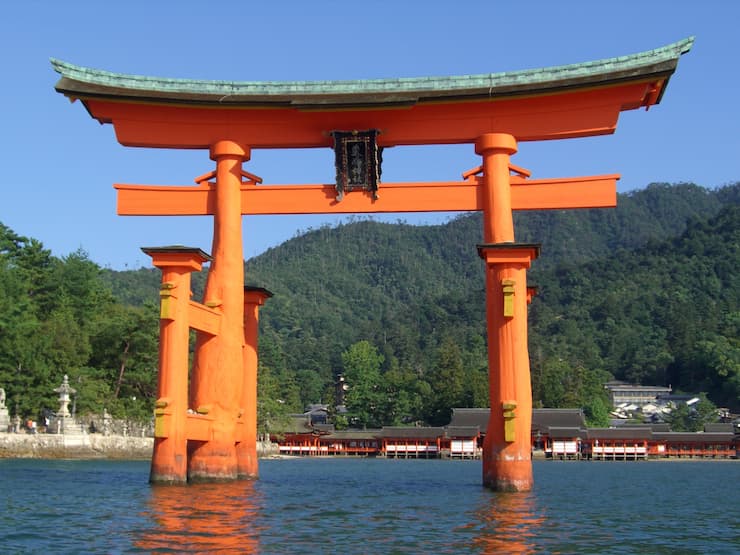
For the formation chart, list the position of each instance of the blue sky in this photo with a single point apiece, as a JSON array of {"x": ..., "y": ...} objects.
[{"x": 59, "y": 164}]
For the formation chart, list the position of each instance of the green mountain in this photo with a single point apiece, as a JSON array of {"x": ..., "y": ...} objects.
[
  {"x": 644, "y": 292},
  {"x": 405, "y": 287},
  {"x": 647, "y": 292}
]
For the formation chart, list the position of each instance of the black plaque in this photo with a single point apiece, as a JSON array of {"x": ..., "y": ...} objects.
[{"x": 357, "y": 161}]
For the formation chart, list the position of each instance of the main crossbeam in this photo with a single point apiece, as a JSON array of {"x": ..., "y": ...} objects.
[{"x": 598, "y": 191}]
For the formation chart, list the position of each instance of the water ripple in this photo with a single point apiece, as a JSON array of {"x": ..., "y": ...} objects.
[{"x": 359, "y": 506}]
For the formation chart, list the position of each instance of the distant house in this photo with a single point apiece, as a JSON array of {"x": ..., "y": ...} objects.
[
  {"x": 362, "y": 443},
  {"x": 622, "y": 393},
  {"x": 564, "y": 443},
  {"x": 623, "y": 443},
  {"x": 556, "y": 434},
  {"x": 317, "y": 414},
  {"x": 470, "y": 417},
  {"x": 463, "y": 441},
  {"x": 706, "y": 445},
  {"x": 414, "y": 443}
]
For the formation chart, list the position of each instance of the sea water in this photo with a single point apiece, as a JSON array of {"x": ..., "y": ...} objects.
[{"x": 372, "y": 506}]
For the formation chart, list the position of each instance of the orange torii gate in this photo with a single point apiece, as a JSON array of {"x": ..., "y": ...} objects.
[{"x": 206, "y": 430}]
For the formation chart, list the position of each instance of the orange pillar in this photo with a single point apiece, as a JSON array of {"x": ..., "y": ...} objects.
[
  {"x": 498, "y": 221},
  {"x": 507, "y": 464},
  {"x": 169, "y": 458},
  {"x": 246, "y": 448},
  {"x": 507, "y": 448},
  {"x": 217, "y": 372}
]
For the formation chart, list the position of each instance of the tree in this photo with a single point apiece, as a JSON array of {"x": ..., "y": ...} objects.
[
  {"x": 364, "y": 399},
  {"x": 404, "y": 396},
  {"x": 272, "y": 412},
  {"x": 692, "y": 418},
  {"x": 560, "y": 384},
  {"x": 596, "y": 411},
  {"x": 448, "y": 383},
  {"x": 310, "y": 386}
]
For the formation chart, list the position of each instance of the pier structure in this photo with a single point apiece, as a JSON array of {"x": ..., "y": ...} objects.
[{"x": 492, "y": 112}]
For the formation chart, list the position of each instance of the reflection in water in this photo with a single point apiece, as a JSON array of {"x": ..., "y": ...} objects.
[
  {"x": 212, "y": 518},
  {"x": 507, "y": 523}
]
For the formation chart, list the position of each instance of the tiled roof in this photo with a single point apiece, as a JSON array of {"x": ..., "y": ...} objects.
[
  {"x": 411, "y": 433},
  {"x": 542, "y": 419},
  {"x": 620, "y": 433},
  {"x": 462, "y": 431},
  {"x": 85, "y": 82},
  {"x": 567, "y": 433},
  {"x": 719, "y": 427},
  {"x": 351, "y": 434},
  {"x": 693, "y": 437},
  {"x": 470, "y": 417}
]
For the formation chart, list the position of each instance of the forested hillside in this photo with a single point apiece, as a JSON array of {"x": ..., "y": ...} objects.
[
  {"x": 646, "y": 292},
  {"x": 58, "y": 316},
  {"x": 618, "y": 289}
]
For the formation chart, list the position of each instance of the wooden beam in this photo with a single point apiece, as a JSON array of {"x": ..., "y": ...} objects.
[
  {"x": 203, "y": 318},
  {"x": 444, "y": 196},
  {"x": 555, "y": 115},
  {"x": 199, "y": 427}
]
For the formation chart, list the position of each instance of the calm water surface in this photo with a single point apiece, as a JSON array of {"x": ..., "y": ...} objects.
[{"x": 372, "y": 506}]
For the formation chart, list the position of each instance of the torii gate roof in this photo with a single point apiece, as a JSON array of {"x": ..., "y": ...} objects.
[{"x": 557, "y": 102}]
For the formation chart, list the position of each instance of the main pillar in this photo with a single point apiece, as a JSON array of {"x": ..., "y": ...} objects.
[
  {"x": 507, "y": 448},
  {"x": 169, "y": 458},
  {"x": 507, "y": 458},
  {"x": 217, "y": 371},
  {"x": 246, "y": 448}
]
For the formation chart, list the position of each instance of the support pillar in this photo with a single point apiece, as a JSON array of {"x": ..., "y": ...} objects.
[
  {"x": 246, "y": 448},
  {"x": 498, "y": 221},
  {"x": 169, "y": 458},
  {"x": 217, "y": 370},
  {"x": 507, "y": 458},
  {"x": 507, "y": 448}
]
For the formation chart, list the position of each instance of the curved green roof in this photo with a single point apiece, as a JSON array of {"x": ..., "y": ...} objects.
[{"x": 82, "y": 82}]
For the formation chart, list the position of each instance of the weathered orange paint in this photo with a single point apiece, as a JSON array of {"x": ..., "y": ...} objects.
[
  {"x": 498, "y": 220},
  {"x": 246, "y": 447},
  {"x": 199, "y": 427},
  {"x": 169, "y": 458},
  {"x": 526, "y": 194},
  {"x": 220, "y": 430},
  {"x": 556, "y": 115},
  {"x": 218, "y": 364},
  {"x": 507, "y": 447},
  {"x": 204, "y": 319},
  {"x": 507, "y": 465},
  {"x": 223, "y": 436}
]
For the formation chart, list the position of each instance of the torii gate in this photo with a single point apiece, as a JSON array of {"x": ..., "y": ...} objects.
[{"x": 207, "y": 430}]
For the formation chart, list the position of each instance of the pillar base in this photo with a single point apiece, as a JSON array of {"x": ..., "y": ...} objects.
[
  {"x": 212, "y": 462},
  {"x": 161, "y": 474},
  {"x": 169, "y": 462},
  {"x": 166, "y": 478},
  {"x": 247, "y": 467},
  {"x": 512, "y": 476}
]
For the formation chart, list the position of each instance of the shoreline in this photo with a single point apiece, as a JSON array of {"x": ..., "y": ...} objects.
[
  {"x": 86, "y": 446},
  {"x": 74, "y": 446},
  {"x": 115, "y": 447}
]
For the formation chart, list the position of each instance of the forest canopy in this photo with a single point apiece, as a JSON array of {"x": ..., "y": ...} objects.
[{"x": 644, "y": 293}]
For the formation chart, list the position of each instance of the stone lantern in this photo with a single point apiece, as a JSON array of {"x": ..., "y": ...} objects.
[
  {"x": 4, "y": 418},
  {"x": 63, "y": 414},
  {"x": 64, "y": 390}
]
